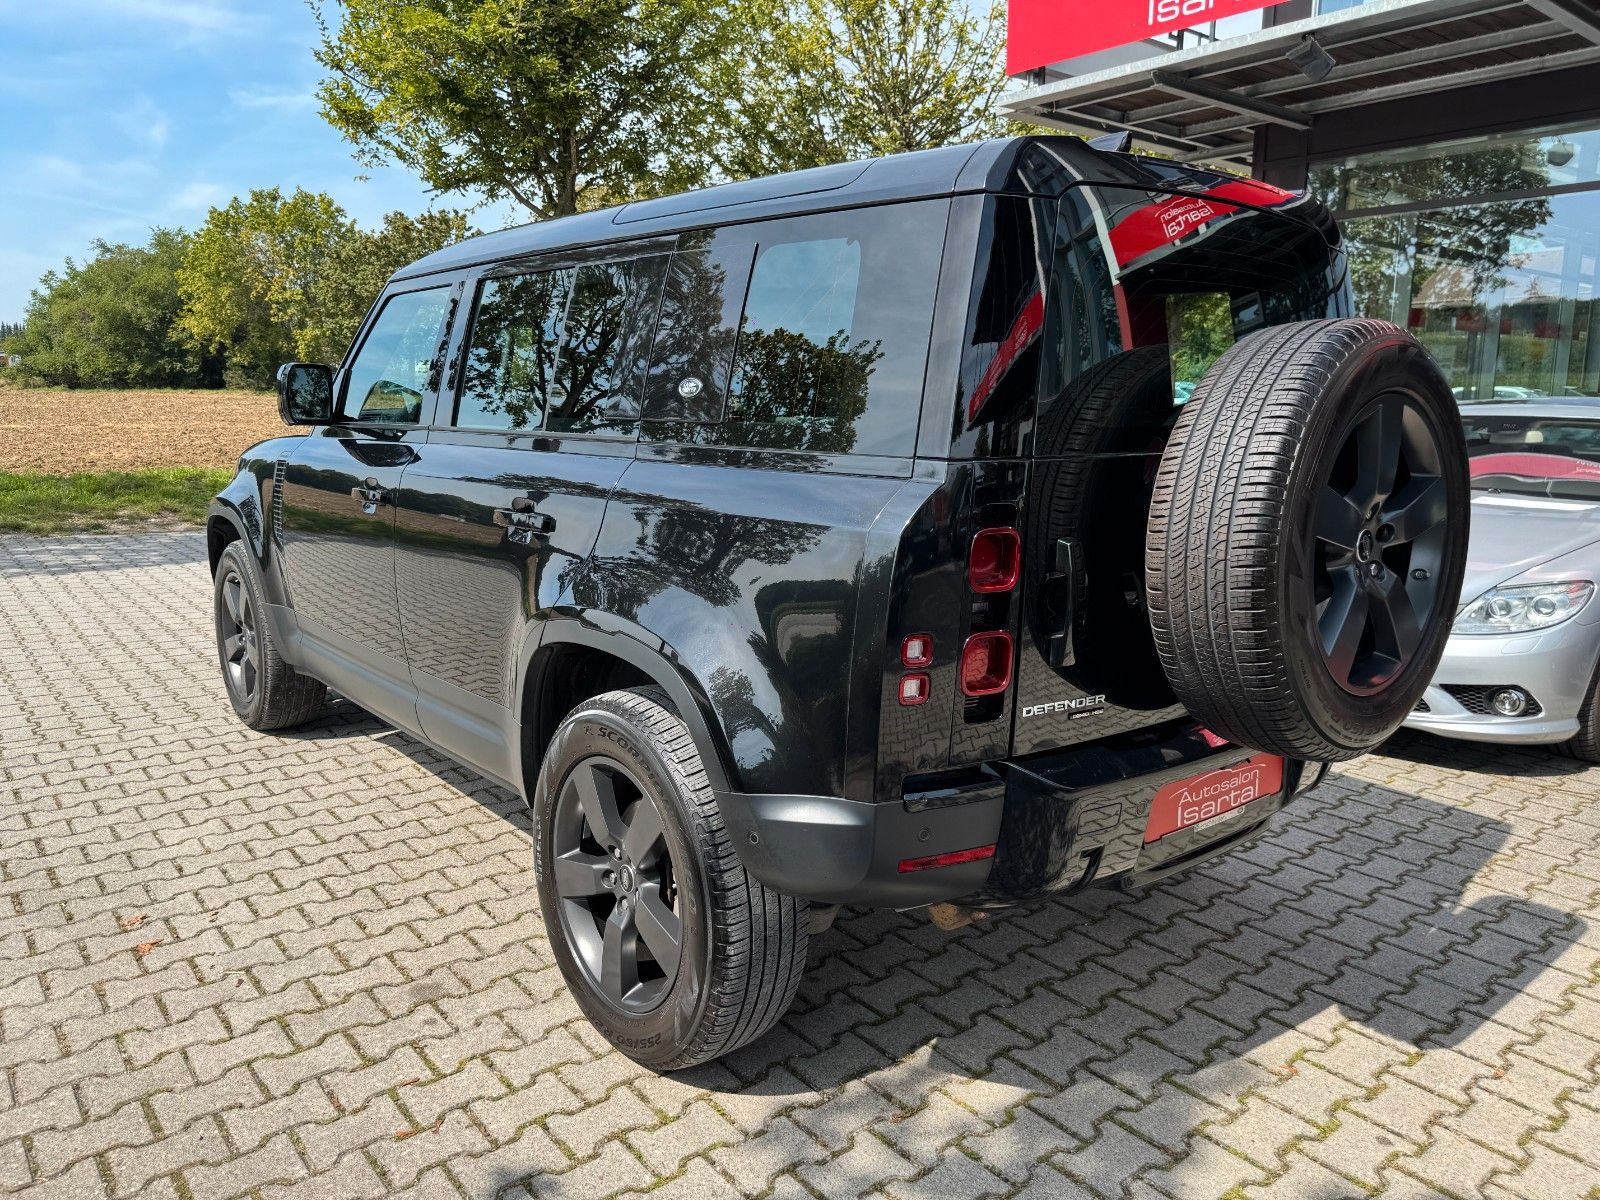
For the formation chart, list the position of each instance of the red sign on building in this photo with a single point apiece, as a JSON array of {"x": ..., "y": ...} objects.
[{"x": 1040, "y": 32}]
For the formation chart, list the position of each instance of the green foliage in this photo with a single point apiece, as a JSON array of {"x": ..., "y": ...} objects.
[
  {"x": 266, "y": 280},
  {"x": 1199, "y": 330},
  {"x": 111, "y": 321},
  {"x": 33, "y": 502},
  {"x": 249, "y": 280},
  {"x": 832, "y": 80},
  {"x": 559, "y": 105},
  {"x": 360, "y": 265},
  {"x": 275, "y": 278}
]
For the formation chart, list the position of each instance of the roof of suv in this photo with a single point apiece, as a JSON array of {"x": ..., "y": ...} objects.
[{"x": 1032, "y": 164}]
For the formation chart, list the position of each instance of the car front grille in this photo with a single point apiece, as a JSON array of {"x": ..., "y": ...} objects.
[{"x": 1475, "y": 699}]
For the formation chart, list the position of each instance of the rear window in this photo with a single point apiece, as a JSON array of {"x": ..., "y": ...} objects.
[
  {"x": 1182, "y": 276},
  {"x": 809, "y": 333}
]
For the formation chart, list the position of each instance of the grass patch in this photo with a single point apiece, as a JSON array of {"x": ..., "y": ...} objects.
[{"x": 94, "y": 501}]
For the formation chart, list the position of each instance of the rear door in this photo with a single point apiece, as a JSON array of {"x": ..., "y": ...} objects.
[{"x": 499, "y": 512}]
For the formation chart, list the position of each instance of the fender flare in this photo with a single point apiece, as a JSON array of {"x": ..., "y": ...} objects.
[
  {"x": 650, "y": 655},
  {"x": 239, "y": 504}
]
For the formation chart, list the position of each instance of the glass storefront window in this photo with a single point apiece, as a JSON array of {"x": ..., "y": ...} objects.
[{"x": 1487, "y": 251}]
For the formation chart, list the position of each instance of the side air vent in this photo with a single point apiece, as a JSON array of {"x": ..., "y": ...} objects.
[{"x": 278, "y": 469}]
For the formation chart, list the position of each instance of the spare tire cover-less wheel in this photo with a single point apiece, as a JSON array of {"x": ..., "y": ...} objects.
[{"x": 1307, "y": 538}]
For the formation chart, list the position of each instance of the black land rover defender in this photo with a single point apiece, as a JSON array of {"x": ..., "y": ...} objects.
[{"x": 945, "y": 530}]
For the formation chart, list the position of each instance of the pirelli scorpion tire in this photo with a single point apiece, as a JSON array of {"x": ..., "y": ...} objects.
[{"x": 1307, "y": 537}]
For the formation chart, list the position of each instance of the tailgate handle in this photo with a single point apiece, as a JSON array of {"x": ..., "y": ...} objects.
[{"x": 1058, "y": 596}]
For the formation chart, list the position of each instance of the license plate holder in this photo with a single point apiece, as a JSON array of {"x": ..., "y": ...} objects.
[{"x": 1198, "y": 799}]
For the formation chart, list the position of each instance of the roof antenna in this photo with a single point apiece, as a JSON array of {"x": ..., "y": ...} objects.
[{"x": 1117, "y": 143}]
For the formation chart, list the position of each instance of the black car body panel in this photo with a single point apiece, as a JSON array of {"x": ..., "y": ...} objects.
[{"x": 739, "y": 444}]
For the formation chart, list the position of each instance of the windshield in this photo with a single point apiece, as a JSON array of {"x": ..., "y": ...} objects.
[{"x": 1534, "y": 456}]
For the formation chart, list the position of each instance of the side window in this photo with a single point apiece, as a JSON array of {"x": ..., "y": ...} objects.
[
  {"x": 824, "y": 349},
  {"x": 510, "y": 359},
  {"x": 400, "y": 359},
  {"x": 700, "y": 305},
  {"x": 605, "y": 342},
  {"x": 797, "y": 369}
]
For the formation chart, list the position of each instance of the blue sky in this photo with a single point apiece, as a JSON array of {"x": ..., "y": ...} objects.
[{"x": 119, "y": 115}]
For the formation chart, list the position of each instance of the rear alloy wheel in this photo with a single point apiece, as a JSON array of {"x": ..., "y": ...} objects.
[
  {"x": 673, "y": 952},
  {"x": 1307, "y": 538},
  {"x": 613, "y": 874}
]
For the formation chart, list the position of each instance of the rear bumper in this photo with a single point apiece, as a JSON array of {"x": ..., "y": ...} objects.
[{"x": 1058, "y": 822}]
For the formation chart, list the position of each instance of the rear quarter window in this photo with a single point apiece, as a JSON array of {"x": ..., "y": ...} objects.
[{"x": 808, "y": 333}]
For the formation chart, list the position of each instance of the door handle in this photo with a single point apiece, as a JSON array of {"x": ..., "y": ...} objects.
[
  {"x": 371, "y": 496},
  {"x": 522, "y": 523}
]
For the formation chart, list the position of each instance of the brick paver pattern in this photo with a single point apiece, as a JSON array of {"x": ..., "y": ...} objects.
[{"x": 312, "y": 965}]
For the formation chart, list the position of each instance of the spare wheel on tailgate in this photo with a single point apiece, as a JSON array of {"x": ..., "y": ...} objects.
[{"x": 1307, "y": 537}]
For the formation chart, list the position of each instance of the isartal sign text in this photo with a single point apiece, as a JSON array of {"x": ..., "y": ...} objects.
[{"x": 1040, "y": 32}]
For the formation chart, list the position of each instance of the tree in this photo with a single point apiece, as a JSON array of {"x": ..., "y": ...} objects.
[
  {"x": 250, "y": 279},
  {"x": 111, "y": 321},
  {"x": 558, "y": 105},
  {"x": 834, "y": 80},
  {"x": 359, "y": 266}
]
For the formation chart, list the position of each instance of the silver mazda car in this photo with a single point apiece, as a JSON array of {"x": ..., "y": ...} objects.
[{"x": 1520, "y": 664}]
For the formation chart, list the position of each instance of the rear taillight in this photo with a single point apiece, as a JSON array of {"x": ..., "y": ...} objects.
[
  {"x": 917, "y": 650},
  {"x": 986, "y": 663},
  {"x": 914, "y": 689},
  {"x": 995, "y": 561}
]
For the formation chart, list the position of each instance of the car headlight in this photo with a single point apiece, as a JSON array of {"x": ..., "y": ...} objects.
[{"x": 1524, "y": 608}]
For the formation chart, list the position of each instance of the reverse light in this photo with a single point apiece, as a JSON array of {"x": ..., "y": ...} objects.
[
  {"x": 986, "y": 663},
  {"x": 995, "y": 562},
  {"x": 917, "y": 650},
  {"x": 913, "y": 689},
  {"x": 1524, "y": 608},
  {"x": 950, "y": 859}
]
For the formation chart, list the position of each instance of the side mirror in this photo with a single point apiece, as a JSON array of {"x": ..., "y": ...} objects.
[{"x": 305, "y": 393}]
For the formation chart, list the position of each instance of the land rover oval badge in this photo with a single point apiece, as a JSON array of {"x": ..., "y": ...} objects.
[{"x": 689, "y": 387}]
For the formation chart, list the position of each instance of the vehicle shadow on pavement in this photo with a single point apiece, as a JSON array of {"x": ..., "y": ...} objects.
[{"x": 1363, "y": 906}]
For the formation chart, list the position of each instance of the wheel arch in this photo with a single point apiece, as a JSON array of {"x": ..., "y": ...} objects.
[
  {"x": 235, "y": 515},
  {"x": 570, "y": 651}
]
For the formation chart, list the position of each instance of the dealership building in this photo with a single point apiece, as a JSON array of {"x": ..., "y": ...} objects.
[{"x": 1458, "y": 141}]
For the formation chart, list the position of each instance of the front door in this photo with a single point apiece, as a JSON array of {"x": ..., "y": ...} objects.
[
  {"x": 502, "y": 507},
  {"x": 338, "y": 505}
]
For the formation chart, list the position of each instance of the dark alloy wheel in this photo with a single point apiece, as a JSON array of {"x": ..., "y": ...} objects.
[
  {"x": 613, "y": 873},
  {"x": 671, "y": 949},
  {"x": 1308, "y": 536},
  {"x": 1379, "y": 525},
  {"x": 241, "y": 649},
  {"x": 264, "y": 690}
]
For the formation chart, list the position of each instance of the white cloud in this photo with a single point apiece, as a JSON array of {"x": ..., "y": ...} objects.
[
  {"x": 142, "y": 121},
  {"x": 194, "y": 17},
  {"x": 283, "y": 100},
  {"x": 197, "y": 196},
  {"x": 189, "y": 20}
]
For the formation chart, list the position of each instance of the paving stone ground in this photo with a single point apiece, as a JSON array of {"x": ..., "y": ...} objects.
[{"x": 312, "y": 965}]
